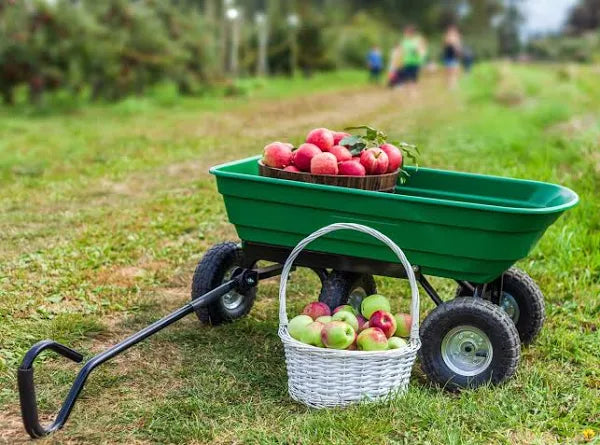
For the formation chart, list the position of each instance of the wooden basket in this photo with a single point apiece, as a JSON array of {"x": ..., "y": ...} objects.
[{"x": 382, "y": 183}]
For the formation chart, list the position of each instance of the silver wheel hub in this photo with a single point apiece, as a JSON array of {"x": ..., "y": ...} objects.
[
  {"x": 467, "y": 350},
  {"x": 232, "y": 299},
  {"x": 510, "y": 306}
]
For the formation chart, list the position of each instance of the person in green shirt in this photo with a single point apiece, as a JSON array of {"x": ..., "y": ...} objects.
[{"x": 408, "y": 58}]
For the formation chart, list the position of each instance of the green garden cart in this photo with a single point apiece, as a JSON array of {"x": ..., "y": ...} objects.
[{"x": 465, "y": 227}]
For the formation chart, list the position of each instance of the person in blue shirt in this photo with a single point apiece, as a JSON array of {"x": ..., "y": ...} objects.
[{"x": 374, "y": 63}]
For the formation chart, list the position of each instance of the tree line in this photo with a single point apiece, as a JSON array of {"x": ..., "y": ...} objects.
[{"x": 113, "y": 48}]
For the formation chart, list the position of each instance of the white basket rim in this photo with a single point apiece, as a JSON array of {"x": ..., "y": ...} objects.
[{"x": 414, "y": 308}]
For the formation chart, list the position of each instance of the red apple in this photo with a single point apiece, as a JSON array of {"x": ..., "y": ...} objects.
[
  {"x": 362, "y": 322},
  {"x": 321, "y": 137},
  {"x": 403, "y": 325},
  {"x": 304, "y": 154},
  {"x": 384, "y": 321},
  {"x": 292, "y": 168},
  {"x": 277, "y": 155},
  {"x": 316, "y": 309},
  {"x": 338, "y": 136},
  {"x": 341, "y": 153},
  {"x": 351, "y": 168},
  {"x": 375, "y": 161},
  {"x": 372, "y": 339},
  {"x": 324, "y": 164},
  {"x": 394, "y": 156}
]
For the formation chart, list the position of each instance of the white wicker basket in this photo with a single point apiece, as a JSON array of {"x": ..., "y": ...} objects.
[{"x": 320, "y": 377}]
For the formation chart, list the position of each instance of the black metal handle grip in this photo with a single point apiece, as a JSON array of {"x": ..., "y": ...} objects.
[{"x": 29, "y": 409}]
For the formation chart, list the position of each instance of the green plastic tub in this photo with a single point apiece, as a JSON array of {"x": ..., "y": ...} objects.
[{"x": 456, "y": 225}]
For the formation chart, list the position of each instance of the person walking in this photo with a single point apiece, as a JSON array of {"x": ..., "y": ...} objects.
[
  {"x": 452, "y": 53},
  {"x": 413, "y": 51},
  {"x": 374, "y": 64}
]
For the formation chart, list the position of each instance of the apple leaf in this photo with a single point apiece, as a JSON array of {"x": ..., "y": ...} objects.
[
  {"x": 403, "y": 176},
  {"x": 409, "y": 151},
  {"x": 349, "y": 141},
  {"x": 357, "y": 148}
]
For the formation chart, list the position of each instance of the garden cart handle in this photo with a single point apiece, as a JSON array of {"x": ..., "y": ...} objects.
[
  {"x": 410, "y": 274},
  {"x": 242, "y": 278}
]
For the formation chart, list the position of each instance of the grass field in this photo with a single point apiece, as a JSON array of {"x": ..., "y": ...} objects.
[{"x": 105, "y": 210}]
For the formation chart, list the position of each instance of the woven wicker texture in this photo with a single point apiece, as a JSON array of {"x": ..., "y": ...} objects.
[{"x": 320, "y": 377}]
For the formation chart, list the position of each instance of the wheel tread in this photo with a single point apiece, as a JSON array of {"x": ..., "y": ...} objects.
[
  {"x": 207, "y": 277},
  {"x": 338, "y": 285},
  {"x": 471, "y": 307}
]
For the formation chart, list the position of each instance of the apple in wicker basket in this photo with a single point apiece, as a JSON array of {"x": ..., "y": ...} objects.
[
  {"x": 321, "y": 137},
  {"x": 345, "y": 307},
  {"x": 341, "y": 153},
  {"x": 304, "y": 155},
  {"x": 348, "y": 317},
  {"x": 374, "y": 303},
  {"x": 375, "y": 161},
  {"x": 351, "y": 168},
  {"x": 311, "y": 334},
  {"x": 394, "y": 156},
  {"x": 363, "y": 323},
  {"x": 403, "y": 324},
  {"x": 384, "y": 321},
  {"x": 324, "y": 164},
  {"x": 396, "y": 343},
  {"x": 277, "y": 155},
  {"x": 338, "y": 136},
  {"x": 337, "y": 335},
  {"x": 297, "y": 325},
  {"x": 372, "y": 339},
  {"x": 316, "y": 309}
]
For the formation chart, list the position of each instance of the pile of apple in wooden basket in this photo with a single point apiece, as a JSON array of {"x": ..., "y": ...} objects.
[{"x": 365, "y": 160}]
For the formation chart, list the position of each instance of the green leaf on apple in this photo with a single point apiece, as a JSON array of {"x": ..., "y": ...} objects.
[{"x": 349, "y": 141}]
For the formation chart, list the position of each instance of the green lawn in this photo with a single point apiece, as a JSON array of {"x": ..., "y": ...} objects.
[{"x": 106, "y": 209}]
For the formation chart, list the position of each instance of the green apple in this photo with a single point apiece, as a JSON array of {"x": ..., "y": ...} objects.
[
  {"x": 348, "y": 317},
  {"x": 324, "y": 319},
  {"x": 337, "y": 335},
  {"x": 297, "y": 325},
  {"x": 396, "y": 343},
  {"x": 311, "y": 334},
  {"x": 374, "y": 303},
  {"x": 372, "y": 339},
  {"x": 347, "y": 308},
  {"x": 403, "y": 324}
]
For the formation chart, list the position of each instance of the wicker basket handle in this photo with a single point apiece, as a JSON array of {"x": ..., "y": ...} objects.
[{"x": 414, "y": 307}]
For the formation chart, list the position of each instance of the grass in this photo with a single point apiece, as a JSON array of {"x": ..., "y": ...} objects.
[{"x": 106, "y": 209}]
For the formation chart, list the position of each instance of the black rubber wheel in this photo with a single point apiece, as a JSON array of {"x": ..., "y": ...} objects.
[
  {"x": 523, "y": 300},
  {"x": 468, "y": 342},
  {"x": 346, "y": 287},
  {"x": 214, "y": 268}
]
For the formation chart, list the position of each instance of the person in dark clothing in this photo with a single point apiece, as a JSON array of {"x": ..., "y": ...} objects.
[
  {"x": 452, "y": 54},
  {"x": 467, "y": 59}
]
